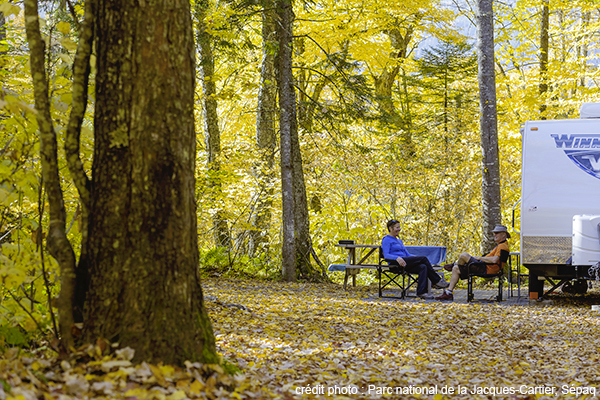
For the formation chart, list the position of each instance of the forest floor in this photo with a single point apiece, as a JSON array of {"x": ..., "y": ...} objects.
[{"x": 317, "y": 341}]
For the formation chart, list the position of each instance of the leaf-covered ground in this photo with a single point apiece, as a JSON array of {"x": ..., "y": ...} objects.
[
  {"x": 322, "y": 338},
  {"x": 312, "y": 341}
]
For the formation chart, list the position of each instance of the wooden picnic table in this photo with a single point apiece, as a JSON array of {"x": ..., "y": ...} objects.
[
  {"x": 435, "y": 254},
  {"x": 352, "y": 267}
]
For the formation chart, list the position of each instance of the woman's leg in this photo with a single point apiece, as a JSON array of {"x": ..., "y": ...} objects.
[{"x": 415, "y": 265}]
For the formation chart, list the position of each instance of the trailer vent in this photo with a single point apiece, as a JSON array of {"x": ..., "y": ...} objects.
[{"x": 589, "y": 110}]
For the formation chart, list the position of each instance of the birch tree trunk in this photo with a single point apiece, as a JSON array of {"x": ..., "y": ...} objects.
[
  {"x": 488, "y": 122},
  {"x": 144, "y": 284},
  {"x": 211, "y": 126},
  {"x": 287, "y": 123},
  {"x": 266, "y": 134}
]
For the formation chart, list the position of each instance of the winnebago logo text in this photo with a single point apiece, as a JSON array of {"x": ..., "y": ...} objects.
[{"x": 582, "y": 149}]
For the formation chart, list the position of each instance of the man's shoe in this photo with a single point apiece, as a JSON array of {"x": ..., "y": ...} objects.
[
  {"x": 441, "y": 284},
  {"x": 445, "y": 296},
  {"x": 425, "y": 296},
  {"x": 448, "y": 267}
]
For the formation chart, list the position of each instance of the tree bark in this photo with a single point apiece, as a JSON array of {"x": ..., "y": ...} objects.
[
  {"x": 488, "y": 122},
  {"x": 58, "y": 244},
  {"x": 2, "y": 31},
  {"x": 301, "y": 218},
  {"x": 144, "y": 283},
  {"x": 81, "y": 72},
  {"x": 266, "y": 134},
  {"x": 544, "y": 28},
  {"x": 2, "y": 54},
  {"x": 211, "y": 126},
  {"x": 287, "y": 123}
]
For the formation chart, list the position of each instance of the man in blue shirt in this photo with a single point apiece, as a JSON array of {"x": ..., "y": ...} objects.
[{"x": 395, "y": 252}]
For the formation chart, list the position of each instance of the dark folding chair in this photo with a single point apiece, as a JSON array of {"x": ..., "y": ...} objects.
[
  {"x": 499, "y": 275},
  {"x": 393, "y": 275}
]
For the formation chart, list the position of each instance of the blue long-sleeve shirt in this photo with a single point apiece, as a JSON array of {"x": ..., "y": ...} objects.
[{"x": 393, "y": 248}]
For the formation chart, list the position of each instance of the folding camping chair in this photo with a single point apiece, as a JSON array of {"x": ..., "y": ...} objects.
[
  {"x": 393, "y": 274},
  {"x": 499, "y": 275}
]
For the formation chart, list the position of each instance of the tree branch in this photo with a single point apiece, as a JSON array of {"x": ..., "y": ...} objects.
[
  {"x": 27, "y": 311},
  {"x": 81, "y": 73},
  {"x": 74, "y": 14}
]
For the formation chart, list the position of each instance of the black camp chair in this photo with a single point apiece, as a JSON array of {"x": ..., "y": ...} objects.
[
  {"x": 393, "y": 275},
  {"x": 499, "y": 275}
]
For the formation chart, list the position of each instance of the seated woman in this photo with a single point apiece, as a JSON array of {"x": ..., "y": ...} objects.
[{"x": 393, "y": 249}]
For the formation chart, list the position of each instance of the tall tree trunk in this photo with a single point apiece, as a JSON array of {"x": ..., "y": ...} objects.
[
  {"x": 301, "y": 216},
  {"x": 266, "y": 134},
  {"x": 81, "y": 72},
  {"x": 488, "y": 122},
  {"x": 58, "y": 244},
  {"x": 2, "y": 54},
  {"x": 306, "y": 113},
  {"x": 544, "y": 28},
  {"x": 2, "y": 31},
  {"x": 289, "y": 127},
  {"x": 287, "y": 123},
  {"x": 211, "y": 126},
  {"x": 144, "y": 284}
]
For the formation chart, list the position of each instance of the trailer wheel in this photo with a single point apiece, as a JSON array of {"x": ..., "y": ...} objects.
[
  {"x": 578, "y": 286},
  {"x": 581, "y": 286}
]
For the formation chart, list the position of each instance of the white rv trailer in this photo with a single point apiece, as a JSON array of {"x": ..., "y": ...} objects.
[{"x": 560, "y": 201}]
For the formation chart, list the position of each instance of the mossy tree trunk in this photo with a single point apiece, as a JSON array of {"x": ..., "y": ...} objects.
[
  {"x": 143, "y": 255},
  {"x": 212, "y": 134},
  {"x": 287, "y": 125},
  {"x": 266, "y": 133},
  {"x": 57, "y": 242}
]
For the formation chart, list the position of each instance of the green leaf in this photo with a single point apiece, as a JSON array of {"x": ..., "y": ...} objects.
[{"x": 13, "y": 336}]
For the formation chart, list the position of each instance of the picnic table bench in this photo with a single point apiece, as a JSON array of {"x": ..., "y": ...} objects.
[{"x": 435, "y": 254}]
